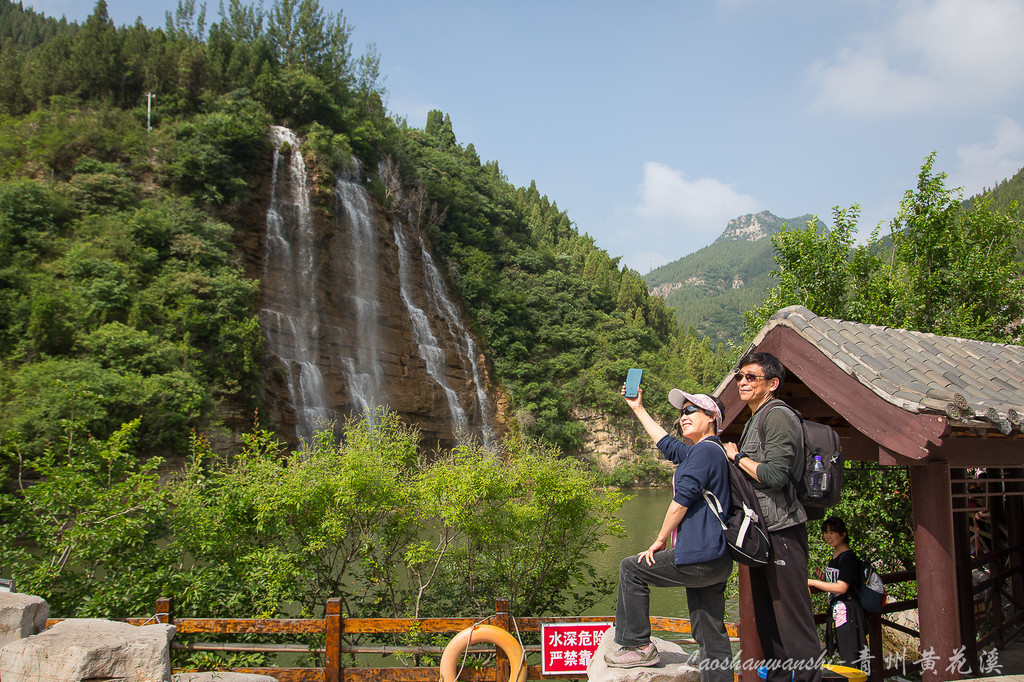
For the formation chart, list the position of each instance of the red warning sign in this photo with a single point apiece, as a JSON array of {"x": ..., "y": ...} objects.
[{"x": 567, "y": 648}]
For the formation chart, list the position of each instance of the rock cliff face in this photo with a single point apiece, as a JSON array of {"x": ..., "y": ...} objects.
[
  {"x": 355, "y": 313},
  {"x": 611, "y": 443}
]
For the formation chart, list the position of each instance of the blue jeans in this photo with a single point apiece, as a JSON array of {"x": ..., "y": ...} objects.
[{"x": 705, "y": 599}]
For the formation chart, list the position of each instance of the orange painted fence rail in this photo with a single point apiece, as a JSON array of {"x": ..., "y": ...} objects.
[{"x": 336, "y": 630}]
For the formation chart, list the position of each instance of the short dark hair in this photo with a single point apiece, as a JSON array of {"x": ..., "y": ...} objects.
[
  {"x": 769, "y": 364},
  {"x": 834, "y": 524}
]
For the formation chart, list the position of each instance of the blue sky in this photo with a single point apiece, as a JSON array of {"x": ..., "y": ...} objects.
[{"x": 654, "y": 123}]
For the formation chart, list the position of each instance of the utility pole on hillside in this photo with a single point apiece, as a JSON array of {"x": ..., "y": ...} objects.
[{"x": 149, "y": 109}]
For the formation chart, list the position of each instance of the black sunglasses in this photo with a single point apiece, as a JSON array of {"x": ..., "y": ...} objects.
[
  {"x": 689, "y": 409},
  {"x": 751, "y": 378}
]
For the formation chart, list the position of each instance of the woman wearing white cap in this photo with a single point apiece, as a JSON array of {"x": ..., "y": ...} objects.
[{"x": 699, "y": 559}]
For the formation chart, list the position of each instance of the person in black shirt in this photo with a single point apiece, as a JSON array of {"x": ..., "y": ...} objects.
[{"x": 846, "y": 631}]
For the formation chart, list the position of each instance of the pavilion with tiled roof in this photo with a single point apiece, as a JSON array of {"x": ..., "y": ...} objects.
[{"x": 940, "y": 405}]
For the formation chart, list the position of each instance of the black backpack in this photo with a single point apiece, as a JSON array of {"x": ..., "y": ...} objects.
[
  {"x": 745, "y": 531},
  {"x": 819, "y": 440}
]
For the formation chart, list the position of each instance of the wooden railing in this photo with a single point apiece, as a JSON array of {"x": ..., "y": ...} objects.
[{"x": 338, "y": 630}]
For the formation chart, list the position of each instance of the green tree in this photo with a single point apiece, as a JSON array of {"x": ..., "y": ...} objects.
[
  {"x": 93, "y": 512},
  {"x": 96, "y": 55},
  {"x": 520, "y": 525},
  {"x": 949, "y": 270},
  {"x": 188, "y": 21},
  {"x": 954, "y": 271},
  {"x": 367, "y": 519},
  {"x": 211, "y": 153},
  {"x": 301, "y": 35}
]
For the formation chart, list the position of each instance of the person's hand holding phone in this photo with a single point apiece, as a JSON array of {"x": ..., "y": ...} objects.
[{"x": 631, "y": 389}]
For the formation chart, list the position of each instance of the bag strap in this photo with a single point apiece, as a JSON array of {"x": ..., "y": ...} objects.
[
  {"x": 709, "y": 496},
  {"x": 715, "y": 506},
  {"x": 797, "y": 472}
]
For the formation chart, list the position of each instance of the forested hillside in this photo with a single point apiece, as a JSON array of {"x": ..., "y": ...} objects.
[
  {"x": 124, "y": 294},
  {"x": 712, "y": 289},
  {"x": 709, "y": 290},
  {"x": 129, "y": 330},
  {"x": 1003, "y": 195}
]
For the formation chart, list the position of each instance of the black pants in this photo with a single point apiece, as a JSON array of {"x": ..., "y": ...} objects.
[
  {"x": 847, "y": 632},
  {"x": 782, "y": 609}
]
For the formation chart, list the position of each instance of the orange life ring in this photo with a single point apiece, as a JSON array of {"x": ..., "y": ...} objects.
[{"x": 483, "y": 633}]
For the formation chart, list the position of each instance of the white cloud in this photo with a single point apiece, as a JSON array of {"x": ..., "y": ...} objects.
[
  {"x": 983, "y": 164},
  {"x": 928, "y": 53},
  {"x": 687, "y": 210},
  {"x": 866, "y": 86}
]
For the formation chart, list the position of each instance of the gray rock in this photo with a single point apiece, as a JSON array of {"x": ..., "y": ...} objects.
[
  {"x": 674, "y": 665},
  {"x": 222, "y": 677},
  {"x": 21, "y": 615},
  {"x": 88, "y": 648}
]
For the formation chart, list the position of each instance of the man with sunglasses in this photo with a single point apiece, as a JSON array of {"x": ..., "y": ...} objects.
[
  {"x": 782, "y": 606},
  {"x": 690, "y": 549}
]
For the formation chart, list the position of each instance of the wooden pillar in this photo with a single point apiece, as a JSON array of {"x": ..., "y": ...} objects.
[
  {"x": 165, "y": 610},
  {"x": 1015, "y": 533},
  {"x": 750, "y": 643},
  {"x": 936, "y": 564},
  {"x": 964, "y": 582},
  {"x": 997, "y": 520},
  {"x": 503, "y": 667},
  {"x": 332, "y": 631},
  {"x": 875, "y": 648}
]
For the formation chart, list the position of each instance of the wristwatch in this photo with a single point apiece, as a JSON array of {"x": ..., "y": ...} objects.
[{"x": 738, "y": 457}]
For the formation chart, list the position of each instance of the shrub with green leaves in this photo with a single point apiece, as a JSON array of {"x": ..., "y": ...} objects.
[
  {"x": 369, "y": 520},
  {"x": 83, "y": 526}
]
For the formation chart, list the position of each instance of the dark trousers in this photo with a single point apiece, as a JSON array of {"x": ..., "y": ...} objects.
[
  {"x": 705, "y": 600},
  {"x": 847, "y": 632},
  {"x": 782, "y": 609}
]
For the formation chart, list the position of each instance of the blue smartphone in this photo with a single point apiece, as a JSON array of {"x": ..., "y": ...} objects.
[{"x": 633, "y": 382}]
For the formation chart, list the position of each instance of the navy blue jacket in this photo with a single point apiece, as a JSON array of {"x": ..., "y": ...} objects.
[{"x": 699, "y": 535}]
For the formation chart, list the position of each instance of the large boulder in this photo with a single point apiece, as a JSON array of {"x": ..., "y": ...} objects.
[
  {"x": 899, "y": 644},
  {"x": 88, "y": 648},
  {"x": 674, "y": 666},
  {"x": 21, "y": 615}
]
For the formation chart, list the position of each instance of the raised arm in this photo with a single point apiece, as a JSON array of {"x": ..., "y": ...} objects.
[{"x": 655, "y": 430}]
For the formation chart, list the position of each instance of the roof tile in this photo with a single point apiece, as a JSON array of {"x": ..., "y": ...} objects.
[{"x": 903, "y": 366}]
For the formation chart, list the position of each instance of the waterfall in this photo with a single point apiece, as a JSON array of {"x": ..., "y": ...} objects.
[
  {"x": 354, "y": 317},
  {"x": 364, "y": 371},
  {"x": 288, "y": 316},
  {"x": 460, "y": 336},
  {"x": 430, "y": 350}
]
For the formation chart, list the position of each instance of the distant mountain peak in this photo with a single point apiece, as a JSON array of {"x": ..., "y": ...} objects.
[
  {"x": 751, "y": 227},
  {"x": 710, "y": 289}
]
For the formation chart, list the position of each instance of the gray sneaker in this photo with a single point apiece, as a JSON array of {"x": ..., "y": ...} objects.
[{"x": 634, "y": 657}]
